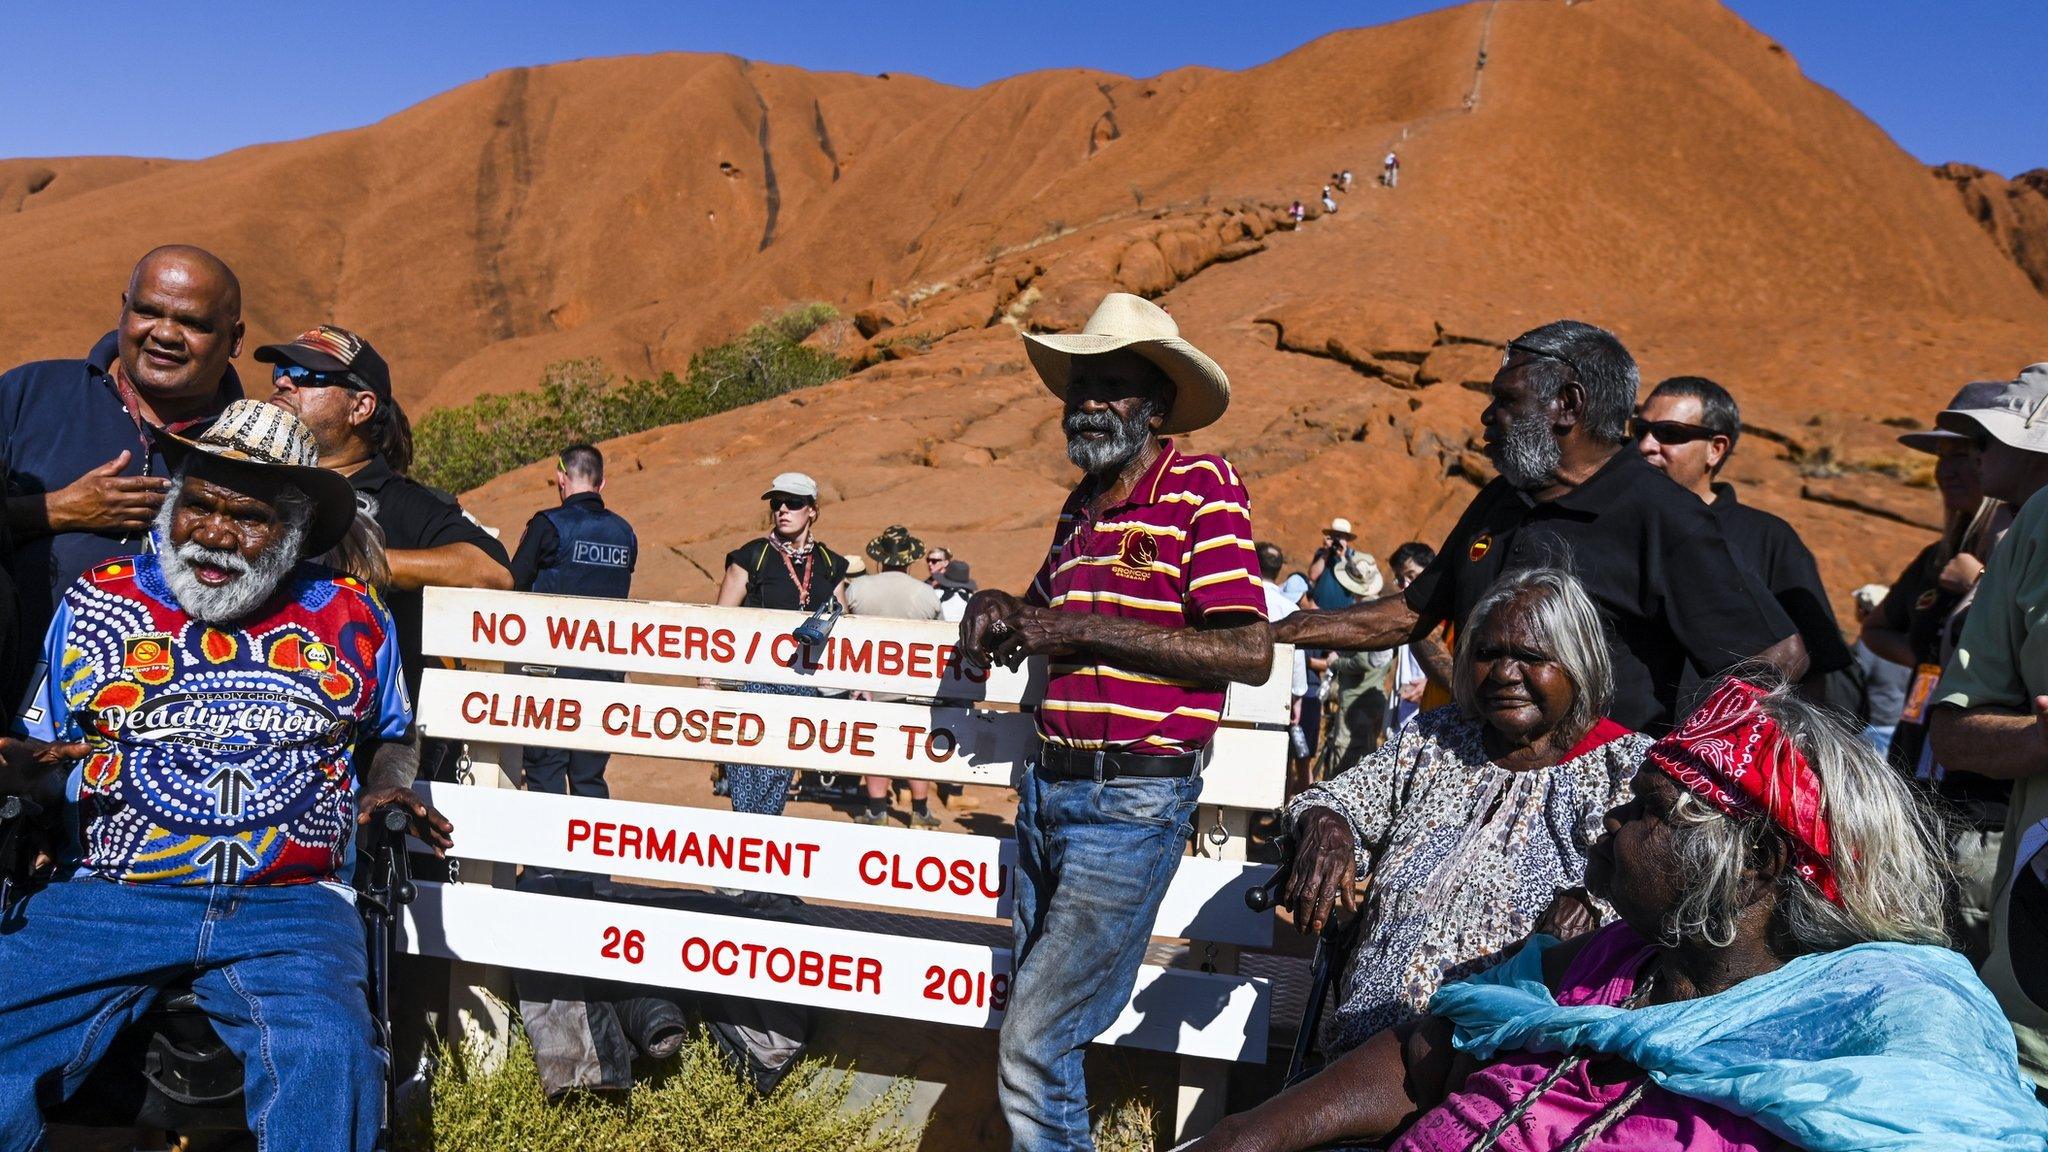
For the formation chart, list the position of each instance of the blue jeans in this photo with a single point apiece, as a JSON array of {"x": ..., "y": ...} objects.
[
  {"x": 281, "y": 971},
  {"x": 1094, "y": 859}
]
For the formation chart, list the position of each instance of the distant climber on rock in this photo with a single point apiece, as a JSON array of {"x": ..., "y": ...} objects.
[
  {"x": 1390, "y": 170},
  {"x": 1297, "y": 214},
  {"x": 1329, "y": 200}
]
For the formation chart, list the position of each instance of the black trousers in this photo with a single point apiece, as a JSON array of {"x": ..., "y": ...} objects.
[{"x": 558, "y": 770}]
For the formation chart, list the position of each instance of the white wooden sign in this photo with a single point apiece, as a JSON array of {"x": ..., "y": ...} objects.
[
  {"x": 812, "y": 859},
  {"x": 815, "y": 734},
  {"x": 1172, "y": 1010},
  {"x": 910, "y": 657}
]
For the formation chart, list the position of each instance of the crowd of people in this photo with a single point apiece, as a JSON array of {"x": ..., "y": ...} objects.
[{"x": 1637, "y": 849}]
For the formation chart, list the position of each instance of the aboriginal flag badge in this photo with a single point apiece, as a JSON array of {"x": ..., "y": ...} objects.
[
  {"x": 148, "y": 657},
  {"x": 1481, "y": 545}
]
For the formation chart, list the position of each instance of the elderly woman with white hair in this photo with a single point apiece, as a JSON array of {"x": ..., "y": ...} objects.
[
  {"x": 1467, "y": 826},
  {"x": 1778, "y": 978}
]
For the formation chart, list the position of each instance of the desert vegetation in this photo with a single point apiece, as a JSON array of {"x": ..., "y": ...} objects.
[{"x": 459, "y": 448}]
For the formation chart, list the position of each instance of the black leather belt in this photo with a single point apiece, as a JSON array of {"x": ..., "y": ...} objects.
[{"x": 1086, "y": 764}]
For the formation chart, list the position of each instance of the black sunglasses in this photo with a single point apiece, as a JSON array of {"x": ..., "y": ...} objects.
[
  {"x": 785, "y": 503},
  {"x": 1670, "y": 431},
  {"x": 304, "y": 377}
]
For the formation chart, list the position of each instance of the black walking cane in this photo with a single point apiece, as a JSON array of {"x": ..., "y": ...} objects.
[
  {"x": 1329, "y": 942},
  {"x": 387, "y": 889}
]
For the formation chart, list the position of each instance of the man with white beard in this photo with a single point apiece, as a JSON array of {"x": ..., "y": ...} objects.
[
  {"x": 1147, "y": 605},
  {"x": 213, "y": 695},
  {"x": 1573, "y": 494}
]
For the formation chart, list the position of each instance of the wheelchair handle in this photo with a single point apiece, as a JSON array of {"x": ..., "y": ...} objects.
[
  {"x": 12, "y": 808},
  {"x": 396, "y": 819},
  {"x": 1266, "y": 895}
]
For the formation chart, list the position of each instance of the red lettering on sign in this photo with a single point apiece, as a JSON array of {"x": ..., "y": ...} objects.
[
  {"x": 491, "y": 627},
  {"x": 578, "y": 830},
  {"x": 472, "y": 708},
  {"x": 911, "y": 732}
]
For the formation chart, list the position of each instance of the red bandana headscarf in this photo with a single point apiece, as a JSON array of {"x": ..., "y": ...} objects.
[{"x": 1732, "y": 754}]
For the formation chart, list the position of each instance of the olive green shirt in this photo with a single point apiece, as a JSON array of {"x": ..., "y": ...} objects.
[{"x": 2002, "y": 662}]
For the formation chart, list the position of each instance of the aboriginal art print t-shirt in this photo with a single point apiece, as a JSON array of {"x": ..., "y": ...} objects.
[{"x": 219, "y": 754}]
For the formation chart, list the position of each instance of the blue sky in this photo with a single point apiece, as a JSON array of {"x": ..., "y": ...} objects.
[{"x": 1949, "y": 79}]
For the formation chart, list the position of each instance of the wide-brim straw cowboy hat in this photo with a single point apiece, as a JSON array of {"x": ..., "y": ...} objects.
[
  {"x": 1340, "y": 527},
  {"x": 1360, "y": 575},
  {"x": 1200, "y": 389},
  {"x": 269, "y": 441},
  {"x": 895, "y": 548}
]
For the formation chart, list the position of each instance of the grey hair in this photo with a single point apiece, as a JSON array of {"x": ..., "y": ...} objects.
[
  {"x": 1564, "y": 616},
  {"x": 360, "y": 553},
  {"x": 1600, "y": 363},
  {"x": 1886, "y": 845}
]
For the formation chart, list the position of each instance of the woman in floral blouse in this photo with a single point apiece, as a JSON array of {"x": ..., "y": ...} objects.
[{"x": 1473, "y": 823}]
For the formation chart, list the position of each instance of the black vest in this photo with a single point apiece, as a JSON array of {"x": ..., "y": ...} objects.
[{"x": 595, "y": 552}]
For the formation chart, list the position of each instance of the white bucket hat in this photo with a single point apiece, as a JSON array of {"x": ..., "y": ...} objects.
[
  {"x": 2012, "y": 412},
  {"x": 1200, "y": 389},
  {"x": 1339, "y": 526},
  {"x": 1360, "y": 575}
]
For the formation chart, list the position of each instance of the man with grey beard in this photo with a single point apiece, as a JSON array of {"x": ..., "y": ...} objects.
[
  {"x": 1147, "y": 605},
  {"x": 214, "y": 695},
  {"x": 1573, "y": 494}
]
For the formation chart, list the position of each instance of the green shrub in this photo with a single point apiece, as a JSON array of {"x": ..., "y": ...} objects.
[
  {"x": 460, "y": 448},
  {"x": 694, "y": 1102}
]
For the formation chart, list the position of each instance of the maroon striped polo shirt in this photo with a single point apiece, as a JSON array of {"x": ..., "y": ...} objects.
[{"x": 1178, "y": 551}]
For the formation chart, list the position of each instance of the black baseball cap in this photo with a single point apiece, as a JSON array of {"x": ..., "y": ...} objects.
[{"x": 328, "y": 348}]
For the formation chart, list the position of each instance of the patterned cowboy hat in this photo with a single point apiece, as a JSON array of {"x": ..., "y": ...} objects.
[
  {"x": 895, "y": 548},
  {"x": 268, "y": 440}
]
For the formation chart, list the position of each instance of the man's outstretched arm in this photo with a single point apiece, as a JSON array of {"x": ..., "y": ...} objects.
[
  {"x": 1000, "y": 628},
  {"x": 1387, "y": 622},
  {"x": 2001, "y": 743}
]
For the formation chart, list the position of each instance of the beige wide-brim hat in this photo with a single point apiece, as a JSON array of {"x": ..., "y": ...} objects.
[
  {"x": 1339, "y": 526},
  {"x": 1360, "y": 575},
  {"x": 1200, "y": 389},
  {"x": 266, "y": 439}
]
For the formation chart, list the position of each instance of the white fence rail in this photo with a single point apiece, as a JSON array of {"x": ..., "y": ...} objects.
[{"x": 974, "y": 734}]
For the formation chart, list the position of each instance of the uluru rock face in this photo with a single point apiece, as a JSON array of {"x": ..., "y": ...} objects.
[
  {"x": 2014, "y": 212},
  {"x": 1656, "y": 167}
]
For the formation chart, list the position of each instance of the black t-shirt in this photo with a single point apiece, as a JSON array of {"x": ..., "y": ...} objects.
[
  {"x": 1919, "y": 607},
  {"x": 1653, "y": 559},
  {"x": 1773, "y": 550},
  {"x": 769, "y": 584},
  {"x": 415, "y": 516}
]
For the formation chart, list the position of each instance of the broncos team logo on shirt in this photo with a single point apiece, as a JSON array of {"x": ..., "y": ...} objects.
[{"x": 1136, "y": 555}]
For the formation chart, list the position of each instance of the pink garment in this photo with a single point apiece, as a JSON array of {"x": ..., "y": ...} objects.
[{"x": 1604, "y": 972}]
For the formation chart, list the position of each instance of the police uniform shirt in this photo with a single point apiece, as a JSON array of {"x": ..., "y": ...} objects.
[
  {"x": 414, "y": 516},
  {"x": 1652, "y": 558},
  {"x": 579, "y": 549}
]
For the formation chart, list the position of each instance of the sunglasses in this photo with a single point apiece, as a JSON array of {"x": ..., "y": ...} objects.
[
  {"x": 1670, "y": 431},
  {"x": 304, "y": 377},
  {"x": 786, "y": 503}
]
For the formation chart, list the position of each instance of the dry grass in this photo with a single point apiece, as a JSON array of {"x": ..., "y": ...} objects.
[
  {"x": 693, "y": 1102},
  {"x": 1127, "y": 1125}
]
